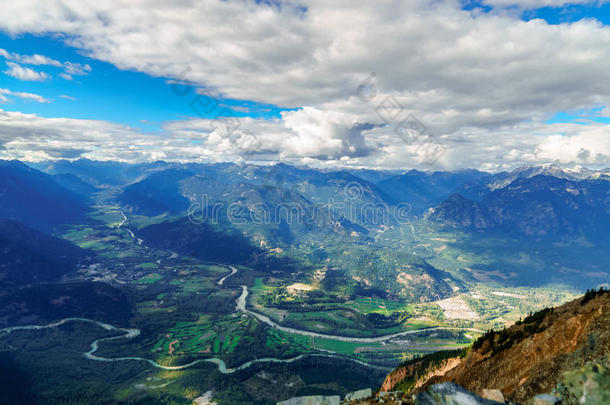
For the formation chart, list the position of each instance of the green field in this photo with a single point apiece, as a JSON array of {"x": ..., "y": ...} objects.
[
  {"x": 214, "y": 336},
  {"x": 379, "y": 305},
  {"x": 150, "y": 278}
]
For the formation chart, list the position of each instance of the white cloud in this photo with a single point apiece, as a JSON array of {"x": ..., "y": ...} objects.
[
  {"x": 289, "y": 57},
  {"x": 26, "y": 96},
  {"x": 35, "y": 59},
  {"x": 483, "y": 84},
  {"x": 25, "y": 73},
  {"x": 589, "y": 144},
  {"x": 31, "y": 137},
  {"x": 31, "y": 96},
  {"x": 67, "y": 97}
]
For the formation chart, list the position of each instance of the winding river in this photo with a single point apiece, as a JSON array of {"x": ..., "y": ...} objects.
[
  {"x": 129, "y": 333},
  {"x": 233, "y": 271}
]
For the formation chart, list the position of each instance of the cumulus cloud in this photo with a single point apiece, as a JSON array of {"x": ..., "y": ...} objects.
[
  {"x": 35, "y": 59},
  {"x": 481, "y": 83},
  {"x": 25, "y": 73},
  {"x": 70, "y": 68},
  {"x": 31, "y": 137}
]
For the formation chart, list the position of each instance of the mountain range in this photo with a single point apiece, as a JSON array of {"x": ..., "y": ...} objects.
[
  {"x": 533, "y": 202},
  {"x": 310, "y": 214}
]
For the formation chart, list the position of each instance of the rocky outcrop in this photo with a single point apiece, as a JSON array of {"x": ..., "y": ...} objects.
[
  {"x": 399, "y": 375},
  {"x": 413, "y": 373}
]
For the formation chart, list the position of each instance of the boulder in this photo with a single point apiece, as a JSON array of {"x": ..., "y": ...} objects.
[
  {"x": 450, "y": 394},
  {"x": 493, "y": 394}
]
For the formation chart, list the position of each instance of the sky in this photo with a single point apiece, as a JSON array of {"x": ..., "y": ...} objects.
[{"x": 437, "y": 84}]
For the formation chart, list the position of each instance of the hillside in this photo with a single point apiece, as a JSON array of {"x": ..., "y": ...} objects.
[
  {"x": 157, "y": 193},
  {"x": 76, "y": 185},
  {"x": 203, "y": 241},
  {"x": 36, "y": 199},
  {"x": 563, "y": 350},
  {"x": 41, "y": 303},
  {"x": 27, "y": 255}
]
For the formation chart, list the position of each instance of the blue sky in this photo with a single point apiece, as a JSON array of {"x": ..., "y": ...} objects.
[
  {"x": 553, "y": 15},
  {"x": 570, "y": 13},
  {"x": 582, "y": 117},
  {"x": 110, "y": 94}
]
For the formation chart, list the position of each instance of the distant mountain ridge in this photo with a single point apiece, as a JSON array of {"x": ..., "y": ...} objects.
[
  {"x": 158, "y": 192},
  {"x": 423, "y": 190},
  {"x": 318, "y": 196},
  {"x": 568, "y": 173},
  {"x": 101, "y": 173},
  {"x": 532, "y": 202}
]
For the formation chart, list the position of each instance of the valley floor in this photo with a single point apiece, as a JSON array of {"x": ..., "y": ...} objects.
[{"x": 249, "y": 330}]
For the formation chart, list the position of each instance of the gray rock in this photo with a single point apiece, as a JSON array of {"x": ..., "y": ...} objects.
[
  {"x": 450, "y": 394},
  {"x": 546, "y": 399},
  {"x": 312, "y": 400},
  {"x": 360, "y": 394}
]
